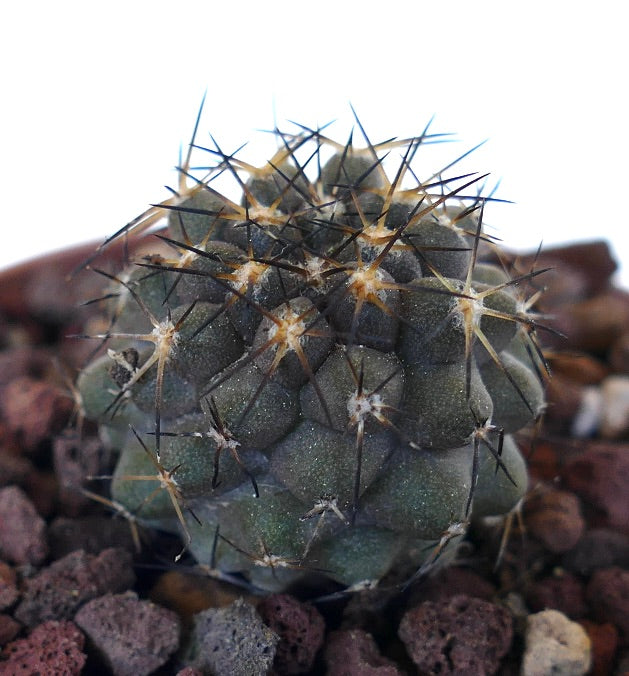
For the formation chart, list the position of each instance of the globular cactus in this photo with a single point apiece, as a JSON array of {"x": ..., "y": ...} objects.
[{"x": 322, "y": 375}]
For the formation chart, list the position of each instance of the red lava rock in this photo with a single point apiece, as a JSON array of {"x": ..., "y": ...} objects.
[
  {"x": 600, "y": 476},
  {"x": 564, "y": 400},
  {"x": 604, "y": 639},
  {"x": 462, "y": 635},
  {"x": 8, "y": 586},
  {"x": 590, "y": 264},
  {"x": 580, "y": 368},
  {"x": 598, "y": 548},
  {"x": 608, "y": 596},
  {"x": 22, "y": 530},
  {"x": 13, "y": 469},
  {"x": 353, "y": 652},
  {"x": 300, "y": 627},
  {"x": 554, "y": 518},
  {"x": 134, "y": 637},
  {"x": 35, "y": 410},
  {"x": 594, "y": 324},
  {"x": 619, "y": 354},
  {"x": 9, "y": 629},
  {"x": 189, "y": 671},
  {"x": 51, "y": 648},
  {"x": 544, "y": 461},
  {"x": 58, "y": 590},
  {"x": 564, "y": 592}
]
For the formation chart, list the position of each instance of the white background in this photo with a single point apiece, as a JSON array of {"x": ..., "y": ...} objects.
[{"x": 97, "y": 99}]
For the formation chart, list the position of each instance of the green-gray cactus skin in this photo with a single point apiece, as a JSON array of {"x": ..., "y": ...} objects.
[{"x": 323, "y": 371}]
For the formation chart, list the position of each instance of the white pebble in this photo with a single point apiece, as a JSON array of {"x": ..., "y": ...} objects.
[{"x": 555, "y": 645}]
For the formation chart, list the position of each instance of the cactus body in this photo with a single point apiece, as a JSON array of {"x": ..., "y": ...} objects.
[{"x": 321, "y": 369}]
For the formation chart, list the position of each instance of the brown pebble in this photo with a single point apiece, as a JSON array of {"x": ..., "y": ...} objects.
[
  {"x": 618, "y": 356},
  {"x": 35, "y": 410},
  {"x": 564, "y": 398},
  {"x": 9, "y": 629},
  {"x": 353, "y": 652},
  {"x": 563, "y": 592},
  {"x": 604, "y": 640},
  {"x": 22, "y": 530},
  {"x": 14, "y": 469},
  {"x": 188, "y": 593},
  {"x": 594, "y": 325},
  {"x": 554, "y": 518},
  {"x": 51, "y": 648},
  {"x": 483, "y": 634},
  {"x": 598, "y": 548},
  {"x": 544, "y": 461},
  {"x": 580, "y": 368},
  {"x": 8, "y": 586},
  {"x": 600, "y": 477},
  {"x": 608, "y": 596},
  {"x": 58, "y": 590},
  {"x": 577, "y": 270},
  {"x": 41, "y": 487},
  {"x": 9, "y": 444},
  {"x": 134, "y": 637}
]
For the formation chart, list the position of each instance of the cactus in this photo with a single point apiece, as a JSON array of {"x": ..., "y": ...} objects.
[{"x": 323, "y": 375}]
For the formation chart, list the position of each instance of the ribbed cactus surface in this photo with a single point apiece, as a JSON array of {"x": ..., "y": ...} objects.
[{"x": 321, "y": 374}]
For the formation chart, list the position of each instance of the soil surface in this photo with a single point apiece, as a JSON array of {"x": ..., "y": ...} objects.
[{"x": 84, "y": 591}]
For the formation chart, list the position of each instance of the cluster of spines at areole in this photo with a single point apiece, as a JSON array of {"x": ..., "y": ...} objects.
[{"x": 321, "y": 255}]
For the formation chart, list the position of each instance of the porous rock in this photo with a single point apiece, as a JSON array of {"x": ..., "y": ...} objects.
[
  {"x": 461, "y": 635},
  {"x": 35, "y": 410},
  {"x": 22, "y": 530},
  {"x": 353, "y": 652},
  {"x": 300, "y": 627},
  {"x": 51, "y": 648},
  {"x": 608, "y": 594},
  {"x": 231, "y": 640},
  {"x": 133, "y": 637},
  {"x": 59, "y": 590},
  {"x": 554, "y": 517},
  {"x": 555, "y": 645}
]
